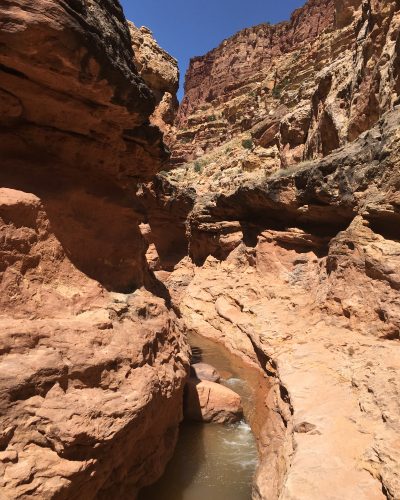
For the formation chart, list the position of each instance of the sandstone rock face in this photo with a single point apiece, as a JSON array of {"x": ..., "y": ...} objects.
[
  {"x": 208, "y": 402},
  {"x": 157, "y": 68},
  {"x": 277, "y": 236},
  {"x": 293, "y": 237},
  {"x": 160, "y": 71},
  {"x": 308, "y": 290},
  {"x": 297, "y": 90},
  {"x": 70, "y": 90},
  {"x": 84, "y": 371},
  {"x": 92, "y": 362}
]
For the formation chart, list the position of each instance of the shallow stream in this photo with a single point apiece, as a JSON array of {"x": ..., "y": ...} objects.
[{"x": 213, "y": 461}]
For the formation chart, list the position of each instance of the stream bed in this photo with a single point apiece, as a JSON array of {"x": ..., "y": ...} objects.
[{"x": 214, "y": 461}]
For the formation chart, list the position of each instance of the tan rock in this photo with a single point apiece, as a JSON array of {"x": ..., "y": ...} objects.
[
  {"x": 207, "y": 401},
  {"x": 160, "y": 71},
  {"x": 75, "y": 383},
  {"x": 310, "y": 294},
  {"x": 307, "y": 86},
  {"x": 203, "y": 371}
]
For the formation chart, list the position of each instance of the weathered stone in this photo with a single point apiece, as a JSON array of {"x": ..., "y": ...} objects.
[
  {"x": 207, "y": 401},
  {"x": 305, "y": 87},
  {"x": 76, "y": 97},
  {"x": 160, "y": 71},
  {"x": 307, "y": 286},
  {"x": 203, "y": 371},
  {"x": 92, "y": 365}
]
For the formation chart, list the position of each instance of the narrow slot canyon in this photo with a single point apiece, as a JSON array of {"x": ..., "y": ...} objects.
[
  {"x": 214, "y": 459},
  {"x": 199, "y": 298}
]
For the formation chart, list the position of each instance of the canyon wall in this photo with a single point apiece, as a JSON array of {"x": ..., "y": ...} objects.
[
  {"x": 275, "y": 234},
  {"x": 286, "y": 153},
  {"x": 92, "y": 364},
  {"x": 160, "y": 71},
  {"x": 299, "y": 89}
]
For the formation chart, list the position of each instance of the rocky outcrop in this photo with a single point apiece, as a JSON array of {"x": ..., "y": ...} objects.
[
  {"x": 277, "y": 236},
  {"x": 294, "y": 91},
  {"x": 351, "y": 196},
  {"x": 92, "y": 116},
  {"x": 160, "y": 71},
  {"x": 297, "y": 272},
  {"x": 92, "y": 362},
  {"x": 289, "y": 135}
]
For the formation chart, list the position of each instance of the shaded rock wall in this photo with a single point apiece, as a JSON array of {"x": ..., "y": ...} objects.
[
  {"x": 70, "y": 90},
  {"x": 92, "y": 361}
]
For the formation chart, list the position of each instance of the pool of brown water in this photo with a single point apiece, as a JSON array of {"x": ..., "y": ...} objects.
[{"x": 213, "y": 461}]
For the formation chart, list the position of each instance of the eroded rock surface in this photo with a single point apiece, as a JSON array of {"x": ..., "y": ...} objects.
[
  {"x": 289, "y": 92},
  {"x": 92, "y": 363},
  {"x": 298, "y": 274},
  {"x": 293, "y": 237},
  {"x": 209, "y": 402},
  {"x": 278, "y": 236},
  {"x": 70, "y": 90},
  {"x": 160, "y": 71}
]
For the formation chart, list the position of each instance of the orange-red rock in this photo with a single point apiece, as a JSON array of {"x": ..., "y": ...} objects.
[
  {"x": 92, "y": 364},
  {"x": 299, "y": 89},
  {"x": 207, "y": 401},
  {"x": 293, "y": 237},
  {"x": 277, "y": 236}
]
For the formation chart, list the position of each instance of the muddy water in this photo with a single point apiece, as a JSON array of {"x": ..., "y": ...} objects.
[{"x": 211, "y": 461}]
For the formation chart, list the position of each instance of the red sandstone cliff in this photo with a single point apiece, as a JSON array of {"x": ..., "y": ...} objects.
[
  {"x": 278, "y": 236},
  {"x": 288, "y": 152},
  {"x": 299, "y": 89},
  {"x": 92, "y": 365}
]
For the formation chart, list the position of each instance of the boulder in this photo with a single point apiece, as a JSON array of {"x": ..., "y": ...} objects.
[
  {"x": 207, "y": 401},
  {"x": 203, "y": 371}
]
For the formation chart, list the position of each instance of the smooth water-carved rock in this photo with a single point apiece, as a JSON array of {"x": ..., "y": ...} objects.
[
  {"x": 207, "y": 401},
  {"x": 311, "y": 294},
  {"x": 203, "y": 371},
  {"x": 83, "y": 371}
]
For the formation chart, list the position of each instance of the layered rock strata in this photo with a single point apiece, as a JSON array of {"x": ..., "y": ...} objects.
[
  {"x": 92, "y": 364},
  {"x": 296, "y": 90},
  {"x": 160, "y": 71},
  {"x": 298, "y": 274},
  {"x": 292, "y": 237},
  {"x": 278, "y": 237}
]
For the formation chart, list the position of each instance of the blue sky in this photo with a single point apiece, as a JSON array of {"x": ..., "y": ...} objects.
[{"x": 188, "y": 28}]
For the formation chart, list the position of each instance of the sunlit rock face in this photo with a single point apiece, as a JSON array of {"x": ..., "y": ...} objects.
[
  {"x": 277, "y": 235},
  {"x": 287, "y": 154},
  {"x": 299, "y": 89},
  {"x": 92, "y": 365},
  {"x": 160, "y": 71},
  {"x": 299, "y": 272}
]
